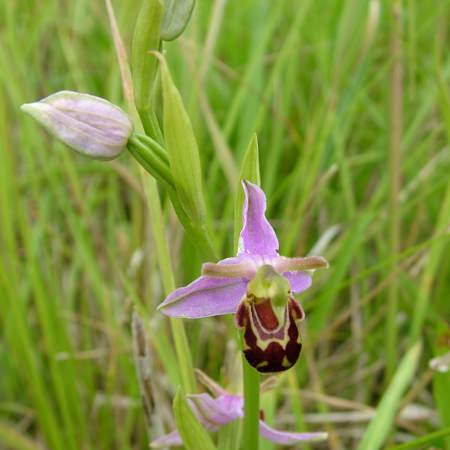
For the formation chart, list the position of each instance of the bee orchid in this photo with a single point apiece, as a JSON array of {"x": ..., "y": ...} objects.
[
  {"x": 257, "y": 286},
  {"x": 216, "y": 411}
]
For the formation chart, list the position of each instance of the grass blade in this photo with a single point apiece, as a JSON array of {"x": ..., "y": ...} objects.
[{"x": 380, "y": 426}]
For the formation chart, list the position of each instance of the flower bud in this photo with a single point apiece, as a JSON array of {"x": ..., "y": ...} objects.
[
  {"x": 176, "y": 17},
  {"x": 89, "y": 125}
]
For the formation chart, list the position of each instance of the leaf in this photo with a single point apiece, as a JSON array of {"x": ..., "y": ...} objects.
[
  {"x": 182, "y": 149},
  {"x": 192, "y": 433},
  {"x": 381, "y": 424}
]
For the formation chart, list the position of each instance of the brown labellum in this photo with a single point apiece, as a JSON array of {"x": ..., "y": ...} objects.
[{"x": 270, "y": 346}]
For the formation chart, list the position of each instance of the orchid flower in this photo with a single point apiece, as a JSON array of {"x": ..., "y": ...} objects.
[
  {"x": 257, "y": 286},
  {"x": 223, "y": 408}
]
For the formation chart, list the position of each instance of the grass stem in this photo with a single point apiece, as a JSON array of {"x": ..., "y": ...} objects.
[{"x": 396, "y": 119}]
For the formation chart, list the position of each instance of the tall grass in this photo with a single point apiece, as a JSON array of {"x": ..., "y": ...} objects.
[{"x": 313, "y": 79}]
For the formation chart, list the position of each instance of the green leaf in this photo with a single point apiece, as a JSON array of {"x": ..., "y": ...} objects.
[
  {"x": 381, "y": 424},
  {"x": 176, "y": 17},
  {"x": 249, "y": 171},
  {"x": 423, "y": 440},
  {"x": 192, "y": 433},
  {"x": 182, "y": 150},
  {"x": 144, "y": 66}
]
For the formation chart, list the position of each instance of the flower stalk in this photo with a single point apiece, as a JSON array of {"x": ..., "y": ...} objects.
[
  {"x": 179, "y": 167},
  {"x": 152, "y": 157},
  {"x": 251, "y": 378},
  {"x": 250, "y": 433},
  {"x": 147, "y": 150},
  {"x": 182, "y": 350}
]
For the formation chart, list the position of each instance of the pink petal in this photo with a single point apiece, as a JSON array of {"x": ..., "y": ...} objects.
[
  {"x": 205, "y": 296},
  {"x": 167, "y": 440},
  {"x": 299, "y": 281},
  {"x": 216, "y": 412},
  {"x": 257, "y": 235},
  {"x": 234, "y": 404},
  {"x": 212, "y": 413},
  {"x": 286, "y": 437},
  {"x": 235, "y": 267}
]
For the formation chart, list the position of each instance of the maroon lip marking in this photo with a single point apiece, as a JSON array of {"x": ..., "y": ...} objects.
[
  {"x": 268, "y": 345},
  {"x": 266, "y": 315}
]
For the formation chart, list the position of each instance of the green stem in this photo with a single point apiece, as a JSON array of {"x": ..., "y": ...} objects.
[
  {"x": 252, "y": 378},
  {"x": 199, "y": 235},
  {"x": 148, "y": 151},
  {"x": 250, "y": 432},
  {"x": 151, "y": 156},
  {"x": 162, "y": 250}
]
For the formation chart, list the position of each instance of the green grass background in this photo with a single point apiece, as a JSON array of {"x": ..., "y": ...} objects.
[{"x": 313, "y": 79}]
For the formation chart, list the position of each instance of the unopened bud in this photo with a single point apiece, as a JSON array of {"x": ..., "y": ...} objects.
[
  {"x": 176, "y": 17},
  {"x": 89, "y": 125}
]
